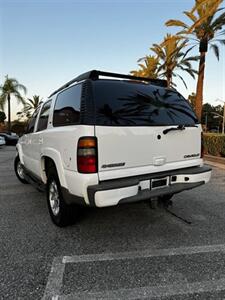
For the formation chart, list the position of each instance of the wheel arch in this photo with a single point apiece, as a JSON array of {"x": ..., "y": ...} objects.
[
  {"x": 52, "y": 157},
  {"x": 20, "y": 153}
]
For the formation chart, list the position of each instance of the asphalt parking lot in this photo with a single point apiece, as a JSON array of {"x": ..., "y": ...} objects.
[{"x": 124, "y": 252}]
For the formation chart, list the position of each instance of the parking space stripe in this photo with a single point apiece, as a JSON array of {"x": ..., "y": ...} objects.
[
  {"x": 151, "y": 292},
  {"x": 55, "y": 280},
  {"x": 144, "y": 253}
]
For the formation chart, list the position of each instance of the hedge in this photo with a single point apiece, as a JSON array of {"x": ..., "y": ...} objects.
[{"x": 214, "y": 144}]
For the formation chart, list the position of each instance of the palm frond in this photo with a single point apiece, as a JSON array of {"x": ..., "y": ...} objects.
[
  {"x": 190, "y": 16},
  {"x": 176, "y": 23},
  {"x": 216, "y": 50},
  {"x": 186, "y": 53},
  {"x": 222, "y": 42},
  {"x": 218, "y": 23},
  {"x": 19, "y": 98},
  {"x": 186, "y": 64},
  {"x": 192, "y": 58},
  {"x": 182, "y": 80},
  {"x": 3, "y": 100},
  {"x": 141, "y": 59},
  {"x": 191, "y": 72},
  {"x": 21, "y": 87}
]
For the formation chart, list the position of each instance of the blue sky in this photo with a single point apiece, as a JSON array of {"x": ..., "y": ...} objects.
[{"x": 46, "y": 43}]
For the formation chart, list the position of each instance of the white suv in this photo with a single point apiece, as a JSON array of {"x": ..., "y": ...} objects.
[{"x": 102, "y": 142}]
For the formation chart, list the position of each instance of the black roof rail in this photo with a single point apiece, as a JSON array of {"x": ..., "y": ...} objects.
[{"x": 94, "y": 75}]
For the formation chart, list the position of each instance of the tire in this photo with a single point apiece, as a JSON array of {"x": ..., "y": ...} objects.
[
  {"x": 61, "y": 213},
  {"x": 18, "y": 168}
]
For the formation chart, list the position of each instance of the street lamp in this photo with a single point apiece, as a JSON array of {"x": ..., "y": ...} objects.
[{"x": 221, "y": 115}]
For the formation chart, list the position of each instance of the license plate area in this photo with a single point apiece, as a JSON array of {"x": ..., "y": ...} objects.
[{"x": 158, "y": 183}]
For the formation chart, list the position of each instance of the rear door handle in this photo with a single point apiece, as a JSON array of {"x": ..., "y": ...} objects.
[{"x": 40, "y": 140}]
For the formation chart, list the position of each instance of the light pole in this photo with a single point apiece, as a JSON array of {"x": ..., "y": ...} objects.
[{"x": 223, "y": 114}]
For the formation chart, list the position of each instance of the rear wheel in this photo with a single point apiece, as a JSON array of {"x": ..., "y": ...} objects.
[
  {"x": 19, "y": 170},
  {"x": 61, "y": 213}
]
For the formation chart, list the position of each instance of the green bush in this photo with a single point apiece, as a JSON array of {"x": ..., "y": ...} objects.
[{"x": 214, "y": 144}]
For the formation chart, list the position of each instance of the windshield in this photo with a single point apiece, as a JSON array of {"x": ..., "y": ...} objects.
[{"x": 121, "y": 103}]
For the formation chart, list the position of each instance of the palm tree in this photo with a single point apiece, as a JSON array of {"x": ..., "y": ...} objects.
[
  {"x": 30, "y": 106},
  {"x": 172, "y": 58},
  {"x": 206, "y": 28},
  {"x": 148, "y": 69},
  {"x": 192, "y": 99},
  {"x": 11, "y": 87}
]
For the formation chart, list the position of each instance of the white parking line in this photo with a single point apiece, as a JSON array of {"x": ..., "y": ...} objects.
[
  {"x": 145, "y": 253},
  {"x": 55, "y": 279},
  {"x": 151, "y": 292}
]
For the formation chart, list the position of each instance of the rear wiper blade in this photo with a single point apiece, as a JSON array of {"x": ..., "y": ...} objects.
[{"x": 179, "y": 127}]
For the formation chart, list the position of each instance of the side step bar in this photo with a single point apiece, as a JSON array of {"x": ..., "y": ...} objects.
[{"x": 34, "y": 181}]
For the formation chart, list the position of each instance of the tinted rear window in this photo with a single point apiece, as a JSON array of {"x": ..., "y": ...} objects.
[
  {"x": 134, "y": 104},
  {"x": 67, "y": 107}
]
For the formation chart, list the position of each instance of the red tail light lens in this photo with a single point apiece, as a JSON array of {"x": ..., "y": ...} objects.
[
  {"x": 87, "y": 155},
  {"x": 202, "y": 145}
]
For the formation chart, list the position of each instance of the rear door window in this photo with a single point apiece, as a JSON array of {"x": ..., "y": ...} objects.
[
  {"x": 32, "y": 121},
  {"x": 136, "y": 104},
  {"x": 43, "y": 119}
]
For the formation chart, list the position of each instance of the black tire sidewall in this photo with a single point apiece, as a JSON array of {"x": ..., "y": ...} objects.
[
  {"x": 62, "y": 218},
  {"x": 16, "y": 161}
]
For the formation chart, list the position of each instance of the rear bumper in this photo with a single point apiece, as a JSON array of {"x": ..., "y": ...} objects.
[{"x": 133, "y": 189}]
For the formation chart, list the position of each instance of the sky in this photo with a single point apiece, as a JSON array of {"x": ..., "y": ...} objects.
[{"x": 45, "y": 43}]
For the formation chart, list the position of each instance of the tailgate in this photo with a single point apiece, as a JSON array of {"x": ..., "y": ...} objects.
[{"x": 122, "y": 148}]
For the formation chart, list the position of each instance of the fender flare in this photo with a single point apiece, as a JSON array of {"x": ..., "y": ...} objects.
[
  {"x": 20, "y": 153},
  {"x": 56, "y": 157}
]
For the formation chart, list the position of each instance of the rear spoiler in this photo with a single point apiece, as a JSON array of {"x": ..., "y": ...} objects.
[{"x": 94, "y": 75}]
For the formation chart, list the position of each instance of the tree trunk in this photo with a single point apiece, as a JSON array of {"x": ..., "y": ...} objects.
[
  {"x": 200, "y": 83},
  {"x": 169, "y": 79},
  {"x": 9, "y": 113}
]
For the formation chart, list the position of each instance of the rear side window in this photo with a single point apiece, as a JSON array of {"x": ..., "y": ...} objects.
[
  {"x": 67, "y": 107},
  {"x": 134, "y": 104},
  {"x": 31, "y": 124},
  {"x": 43, "y": 119}
]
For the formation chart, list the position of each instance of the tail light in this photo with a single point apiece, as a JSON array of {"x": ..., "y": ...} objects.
[
  {"x": 202, "y": 145},
  {"x": 87, "y": 155}
]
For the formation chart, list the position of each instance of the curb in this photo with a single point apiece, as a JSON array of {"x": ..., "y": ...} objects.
[
  {"x": 216, "y": 159},
  {"x": 214, "y": 164}
]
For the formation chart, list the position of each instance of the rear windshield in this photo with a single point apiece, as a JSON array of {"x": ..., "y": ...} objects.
[{"x": 134, "y": 104}]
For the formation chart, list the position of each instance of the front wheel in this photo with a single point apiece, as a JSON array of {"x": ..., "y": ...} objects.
[
  {"x": 61, "y": 213},
  {"x": 19, "y": 170}
]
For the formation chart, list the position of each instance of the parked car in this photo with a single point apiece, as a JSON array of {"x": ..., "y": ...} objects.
[
  {"x": 102, "y": 142},
  {"x": 214, "y": 130},
  {"x": 10, "y": 138},
  {"x": 2, "y": 141}
]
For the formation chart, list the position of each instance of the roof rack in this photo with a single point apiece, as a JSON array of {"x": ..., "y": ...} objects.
[{"x": 94, "y": 75}]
